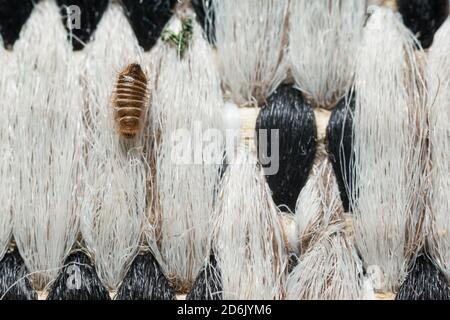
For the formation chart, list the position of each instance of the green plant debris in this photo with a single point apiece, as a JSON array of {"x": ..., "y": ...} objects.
[{"x": 180, "y": 40}]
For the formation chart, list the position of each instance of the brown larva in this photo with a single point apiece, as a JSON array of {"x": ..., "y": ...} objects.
[{"x": 130, "y": 100}]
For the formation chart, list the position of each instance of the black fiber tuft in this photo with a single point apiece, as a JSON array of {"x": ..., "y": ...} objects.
[
  {"x": 208, "y": 284},
  {"x": 292, "y": 262},
  {"x": 206, "y": 18},
  {"x": 78, "y": 280},
  {"x": 13, "y": 15},
  {"x": 91, "y": 13},
  {"x": 14, "y": 282},
  {"x": 424, "y": 17},
  {"x": 145, "y": 280},
  {"x": 289, "y": 112},
  {"x": 424, "y": 282},
  {"x": 148, "y": 18},
  {"x": 222, "y": 170},
  {"x": 340, "y": 145}
]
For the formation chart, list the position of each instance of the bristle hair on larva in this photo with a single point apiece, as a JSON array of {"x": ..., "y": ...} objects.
[
  {"x": 78, "y": 280},
  {"x": 249, "y": 41},
  {"x": 247, "y": 237},
  {"x": 131, "y": 97},
  {"x": 289, "y": 125},
  {"x": 115, "y": 171},
  {"x": 438, "y": 80},
  {"x": 388, "y": 125},
  {"x": 145, "y": 280},
  {"x": 47, "y": 145},
  {"x": 328, "y": 267},
  {"x": 188, "y": 153},
  {"x": 15, "y": 282},
  {"x": 323, "y": 36},
  {"x": 425, "y": 281},
  {"x": 8, "y": 82}
]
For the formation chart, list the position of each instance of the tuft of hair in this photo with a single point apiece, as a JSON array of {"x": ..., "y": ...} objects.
[
  {"x": 8, "y": 83},
  {"x": 340, "y": 145},
  {"x": 47, "y": 144},
  {"x": 208, "y": 284},
  {"x": 424, "y": 282},
  {"x": 13, "y": 15},
  {"x": 78, "y": 280},
  {"x": 329, "y": 267},
  {"x": 388, "y": 125},
  {"x": 232, "y": 122},
  {"x": 250, "y": 36},
  {"x": 115, "y": 171},
  {"x": 148, "y": 18},
  {"x": 438, "y": 80},
  {"x": 318, "y": 204},
  {"x": 91, "y": 12},
  {"x": 206, "y": 18},
  {"x": 188, "y": 154},
  {"x": 145, "y": 280},
  {"x": 286, "y": 134},
  {"x": 247, "y": 236},
  {"x": 424, "y": 17},
  {"x": 323, "y": 37},
  {"x": 15, "y": 283},
  {"x": 329, "y": 270}
]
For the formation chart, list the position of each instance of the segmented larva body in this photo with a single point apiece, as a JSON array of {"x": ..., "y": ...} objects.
[{"x": 130, "y": 100}]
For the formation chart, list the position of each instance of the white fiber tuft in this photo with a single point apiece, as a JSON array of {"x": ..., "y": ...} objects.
[
  {"x": 250, "y": 38},
  {"x": 189, "y": 149},
  {"x": 387, "y": 170},
  {"x": 329, "y": 267},
  {"x": 377, "y": 2},
  {"x": 438, "y": 77},
  {"x": 248, "y": 239},
  {"x": 232, "y": 123},
  {"x": 323, "y": 37},
  {"x": 329, "y": 270},
  {"x": 318, "y": 205},
  {"x": 369, "y": 292},
  {"x": 114, "y": 201},
  {"x": 8, "y": 92},
  {"x": 47, "y": 144}
]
